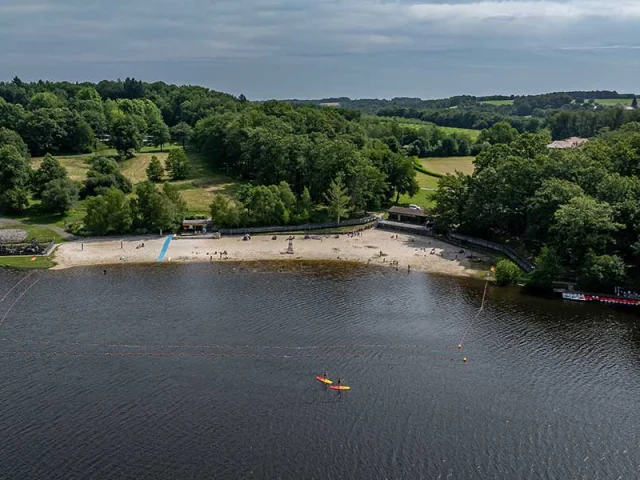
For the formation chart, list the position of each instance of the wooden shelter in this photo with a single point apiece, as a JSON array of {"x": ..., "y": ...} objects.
[
  {"x": 195, "y": 225},
  {"x": 408, "y": 215}
]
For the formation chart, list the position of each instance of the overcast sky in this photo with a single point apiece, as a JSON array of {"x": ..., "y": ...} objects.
[{"x": 323, "y": 48}]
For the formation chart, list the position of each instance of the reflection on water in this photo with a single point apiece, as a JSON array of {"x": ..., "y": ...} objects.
[{"x": 207, "y": 371}]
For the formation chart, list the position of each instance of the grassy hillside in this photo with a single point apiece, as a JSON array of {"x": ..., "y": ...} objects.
[
  {"x": 474, "y": 134},
  {"x": 197, "y": 190},
  {"x": 498, "y": 102},
  {"x": 424, "y": 197},
  {"x": 448, "y": 164},
  {"x": 611, "y": 102}
]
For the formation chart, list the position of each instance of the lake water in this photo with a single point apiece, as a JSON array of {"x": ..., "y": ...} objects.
[{"x": 207, "y": 371}]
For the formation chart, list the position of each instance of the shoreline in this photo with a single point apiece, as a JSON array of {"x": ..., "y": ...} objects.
[{"x": 371, "y": 247}]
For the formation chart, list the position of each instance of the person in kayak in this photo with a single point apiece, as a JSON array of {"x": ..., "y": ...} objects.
[
  {"x": 325, "y": 375},
  {"x": 339, "y": 381}
]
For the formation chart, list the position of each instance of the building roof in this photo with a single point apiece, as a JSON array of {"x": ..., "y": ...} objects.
[
  {"x": 410, "y": 212},
  {"x": 568, "y": 142},
  {"x": 195, "y": 221}
]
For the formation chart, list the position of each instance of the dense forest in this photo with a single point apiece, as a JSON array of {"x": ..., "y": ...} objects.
[{"x": 578, "y": 209}]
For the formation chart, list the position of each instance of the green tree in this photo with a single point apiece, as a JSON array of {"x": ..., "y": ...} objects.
[
  {"x": 507, "y": 273},
  {"x": 304, "y": 207},
  {"x": 104, "y": 174},
  {"x": 158, "y": 209},
  {"x": 501, "y": 132},
  {"x": 45, "y": 100},
  {"x": 11, "y": 115},
  {"x": 127, "y": 134},
  {"x": 177, "y": 164},
  {"x": 602, "y": 273},
  {"x": 9, "y": 137},
  {"x": 449, "y": 147},
  {"x": 583, "y": 226},
  {"x": 50, "y": 169},
  {"x": 451, "y": 198},
  {"x": 155, "y": 170},
  {"x": 265, "y": 206},
  {"x": 159, "y": 133},
  {"x": 109, "y": 213},
  {"x": 14, "y": 179},
  {"x": 547, "y": 270},
  {"x": 337, "y": 199},
  {"x": 225, "y": 212},
  {"x": 181, "y": 133},
  {"x": 402, "y": 176},
  {"x": 552, "y": 194},
  {"x": 59, "y": 195}
]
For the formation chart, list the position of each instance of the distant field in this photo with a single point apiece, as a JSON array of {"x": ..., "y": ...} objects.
[
  {"x": 474, "y": 134},
  {"x": 498, "y": 102},
  {"x": 448, "y": 164},
  {"x": 614, "y": 101},
  {"x": 414, "y": 123}
]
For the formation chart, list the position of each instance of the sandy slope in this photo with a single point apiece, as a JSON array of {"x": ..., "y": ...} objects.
[{"x": 405, "y": 251}]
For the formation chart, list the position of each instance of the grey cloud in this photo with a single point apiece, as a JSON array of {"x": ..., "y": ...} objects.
[{"x": 357, "y": 37}]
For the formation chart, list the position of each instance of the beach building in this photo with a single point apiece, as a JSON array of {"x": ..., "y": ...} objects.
[
  {"x": 195, "y": 225},
  {"x": 415, "y": 216}
]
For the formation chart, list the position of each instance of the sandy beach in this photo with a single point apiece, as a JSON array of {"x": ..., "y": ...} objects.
[{"x": 373, "y": 247}]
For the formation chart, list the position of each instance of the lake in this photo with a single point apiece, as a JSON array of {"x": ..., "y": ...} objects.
[{"x": 207, "y": 371}]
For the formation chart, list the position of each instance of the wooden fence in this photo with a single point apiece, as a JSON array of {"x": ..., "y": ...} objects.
[
  {"x": 510, "y": 253},
  {"x": 299, "y": 228}
]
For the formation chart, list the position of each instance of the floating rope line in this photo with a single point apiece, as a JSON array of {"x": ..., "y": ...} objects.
[
  {"x": 13, "y": 288},
  {"x": 184, "y": 355},
  {"x": 484, "y": 295},
  {"x": 225, "y": 347},
  {"x": 17, "y": 300}
]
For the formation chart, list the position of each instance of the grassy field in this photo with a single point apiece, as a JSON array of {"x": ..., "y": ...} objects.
[
  {"x": 26, "y": 262},
  {"x": 424, "y": 197},
  {"x": 135, "y": 169},
  {"x": 473, "y": 134},
  {"x": 448, "y": 164},
  {"x": 612, "y": 102},
  {"x": 197, "y": 190},
  {"x": 414, "y": 123},
  {"x": 498, "y": 102}
]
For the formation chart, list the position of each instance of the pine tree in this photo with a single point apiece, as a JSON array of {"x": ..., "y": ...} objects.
[
  {"x": 155, "y": 170},
  {"x": 337, "y": 199}
]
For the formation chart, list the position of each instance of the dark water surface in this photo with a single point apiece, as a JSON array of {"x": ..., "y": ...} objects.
[{"x": 201, "y": 371}]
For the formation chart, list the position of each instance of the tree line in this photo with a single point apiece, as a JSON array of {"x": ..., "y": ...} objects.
[
  {"x": 63, "y": 117},
  {"x": 308, "y": 149},
  {"x": 578, "y": 210}
]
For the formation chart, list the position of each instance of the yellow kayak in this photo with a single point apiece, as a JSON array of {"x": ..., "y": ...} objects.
[{"x": 324, "y": 380}]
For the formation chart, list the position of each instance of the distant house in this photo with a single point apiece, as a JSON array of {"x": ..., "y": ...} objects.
[
  {"x": 408, "y": 215},
  {"x": 572, "y": 142}
]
